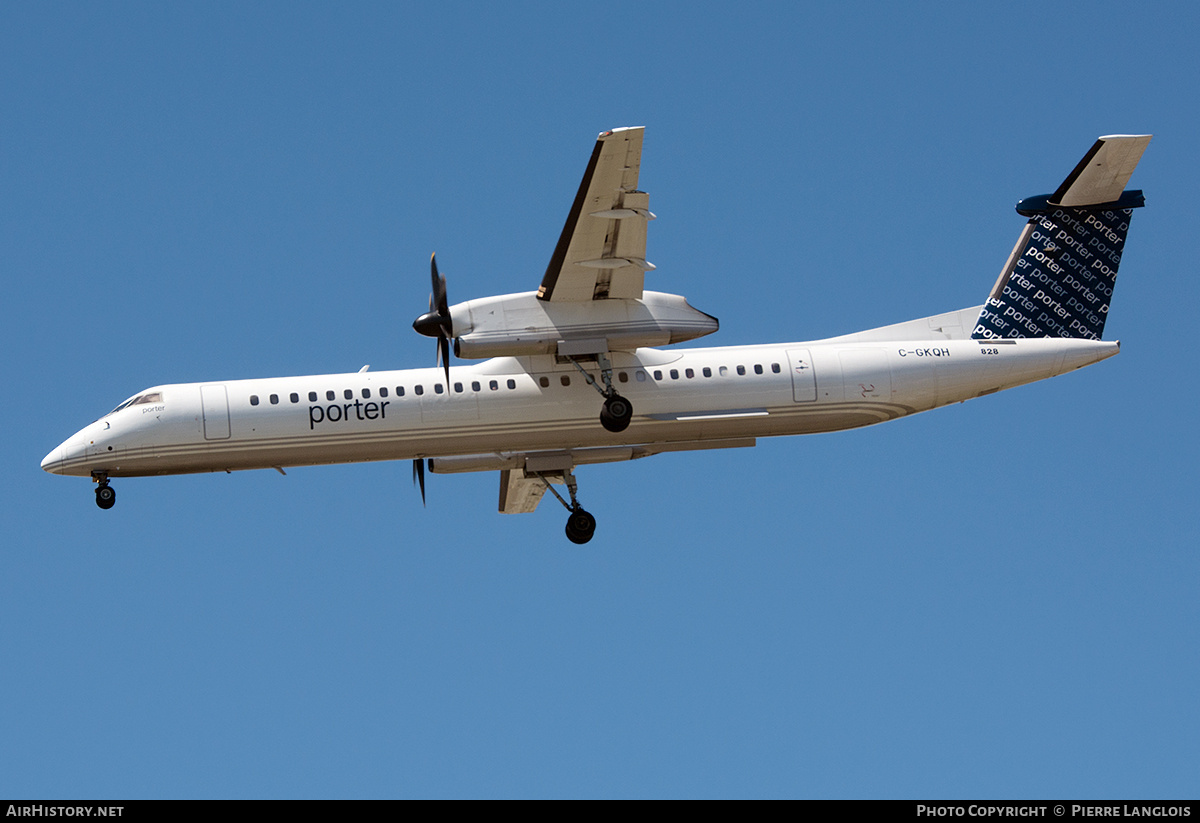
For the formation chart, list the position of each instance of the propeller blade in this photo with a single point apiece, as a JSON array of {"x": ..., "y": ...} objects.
[
  {"x": 437, "y": 321},
  {"x": 419, "y": 476},
  {"x": 438, "y": 293}
]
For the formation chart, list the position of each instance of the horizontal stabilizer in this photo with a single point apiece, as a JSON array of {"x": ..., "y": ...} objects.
[{"x": 1103, "y": 173}]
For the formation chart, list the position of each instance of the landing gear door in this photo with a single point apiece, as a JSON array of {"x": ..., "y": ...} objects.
[
  {"x": 804, "y": 379},
  {"x": 216, "y": 412}
]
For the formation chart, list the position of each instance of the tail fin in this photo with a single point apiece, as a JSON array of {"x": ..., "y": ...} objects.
[{"x": 1059, "y": 279}]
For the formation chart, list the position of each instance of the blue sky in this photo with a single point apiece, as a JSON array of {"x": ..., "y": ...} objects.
[{"x": 996, "y": 599}]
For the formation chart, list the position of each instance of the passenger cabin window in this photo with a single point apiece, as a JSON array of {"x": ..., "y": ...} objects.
[
  {"x": 458, "y": 388},
  {"x": 512, "y": 384},
  {"x": 295, "y": 398},
  {"x": 757, "y": 368},
  {"x": 274, "y": 400},
  {"x": 689, "y": 373},
  {"x": 329, "y": 395},
  {"x": 566, "y": 380},
  {"x": 475, "y": 385},
  {"x": 707, "y": 372},
  {"x": 741, "y": 369},
  {"x": 419, "y": 389},
  {"x": 400, "y": 391},
  {"x": 383, "y": 392},
  {"x": 775, "y": 368},
  {"x": 437, "y": 388},
  {"x": 366, "y": 394},
  {"x": 641, "y": 376},
  {"x": 658, "y": 374},
  {"x": 493, "y": 385},
  {"x": 623, "y": 376},
  {"x": 254, "y": 400},
  {"x": 349, "y": 394},
  {"x": 312, "y": 397},
  {"x": 544, "y": 382},
  {"x": 674, "y": 374}
]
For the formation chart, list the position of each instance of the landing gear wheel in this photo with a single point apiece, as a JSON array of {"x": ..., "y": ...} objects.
[
  {"x": 106, "y": 496},
  {"x": 616, "y": 414},
  {"x": 580, "y": 526}
]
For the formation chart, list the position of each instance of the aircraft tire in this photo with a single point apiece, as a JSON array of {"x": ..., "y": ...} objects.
[
  {"x": 106, "y": 496},
  {"x": 616, "y": 414},
  {"x": 580, "y": 527}
]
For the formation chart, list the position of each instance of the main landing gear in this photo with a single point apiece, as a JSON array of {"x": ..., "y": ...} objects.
[
  {"x": 616, "y": 413},
  {"x": 580, "y": 523},
  {"x": 580, "y": 526},
  {"x": 106, "y": 495},
  {"x": 617, "y": 410}
]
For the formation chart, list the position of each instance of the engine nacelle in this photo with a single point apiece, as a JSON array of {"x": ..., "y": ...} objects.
[{"x": 511, "y": 325}]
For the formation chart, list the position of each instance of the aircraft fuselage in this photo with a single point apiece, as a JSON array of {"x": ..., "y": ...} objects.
[{"x": 538, "y": 403}]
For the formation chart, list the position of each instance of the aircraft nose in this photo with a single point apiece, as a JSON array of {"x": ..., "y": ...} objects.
[
  {"x": 53, "y": 461},
  {"x": 66, "y": 458}
]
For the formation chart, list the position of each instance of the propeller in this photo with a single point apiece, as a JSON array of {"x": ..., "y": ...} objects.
[
  {"x": 436, "y": 322},
  {"x": 419, "y": 476}
]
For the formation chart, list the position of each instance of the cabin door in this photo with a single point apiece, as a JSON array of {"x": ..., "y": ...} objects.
[
  {"x": 804, "y": 379},
  {"x": 216, "y": 412}
]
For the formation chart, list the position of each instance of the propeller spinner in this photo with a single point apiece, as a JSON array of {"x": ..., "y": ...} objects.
[{"x": 436, "y": 322}]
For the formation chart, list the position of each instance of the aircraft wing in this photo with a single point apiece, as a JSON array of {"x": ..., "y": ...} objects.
[
  {"x": 602, "y": 250},
  {"x": 519, "y": 494}
]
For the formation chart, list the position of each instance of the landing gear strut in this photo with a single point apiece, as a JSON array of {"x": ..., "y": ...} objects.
[
  {"x": 580, "y": 523},
  {"x": 106, "y": 495},
  {"x": 617, "y": 411}
]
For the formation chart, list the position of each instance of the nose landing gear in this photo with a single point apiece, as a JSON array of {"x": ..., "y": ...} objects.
[{"x": 106, "y": 495}]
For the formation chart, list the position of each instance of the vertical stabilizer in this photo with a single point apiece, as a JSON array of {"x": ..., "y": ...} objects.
[{"x": 1059, "y": 279}]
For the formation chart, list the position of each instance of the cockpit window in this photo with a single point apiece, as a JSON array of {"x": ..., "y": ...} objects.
[
  {"x": 123, "y": 405},
  {"x": 138, "y": 400}
]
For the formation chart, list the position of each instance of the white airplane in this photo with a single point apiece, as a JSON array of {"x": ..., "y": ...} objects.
[{"x": 529, "y": 411}]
